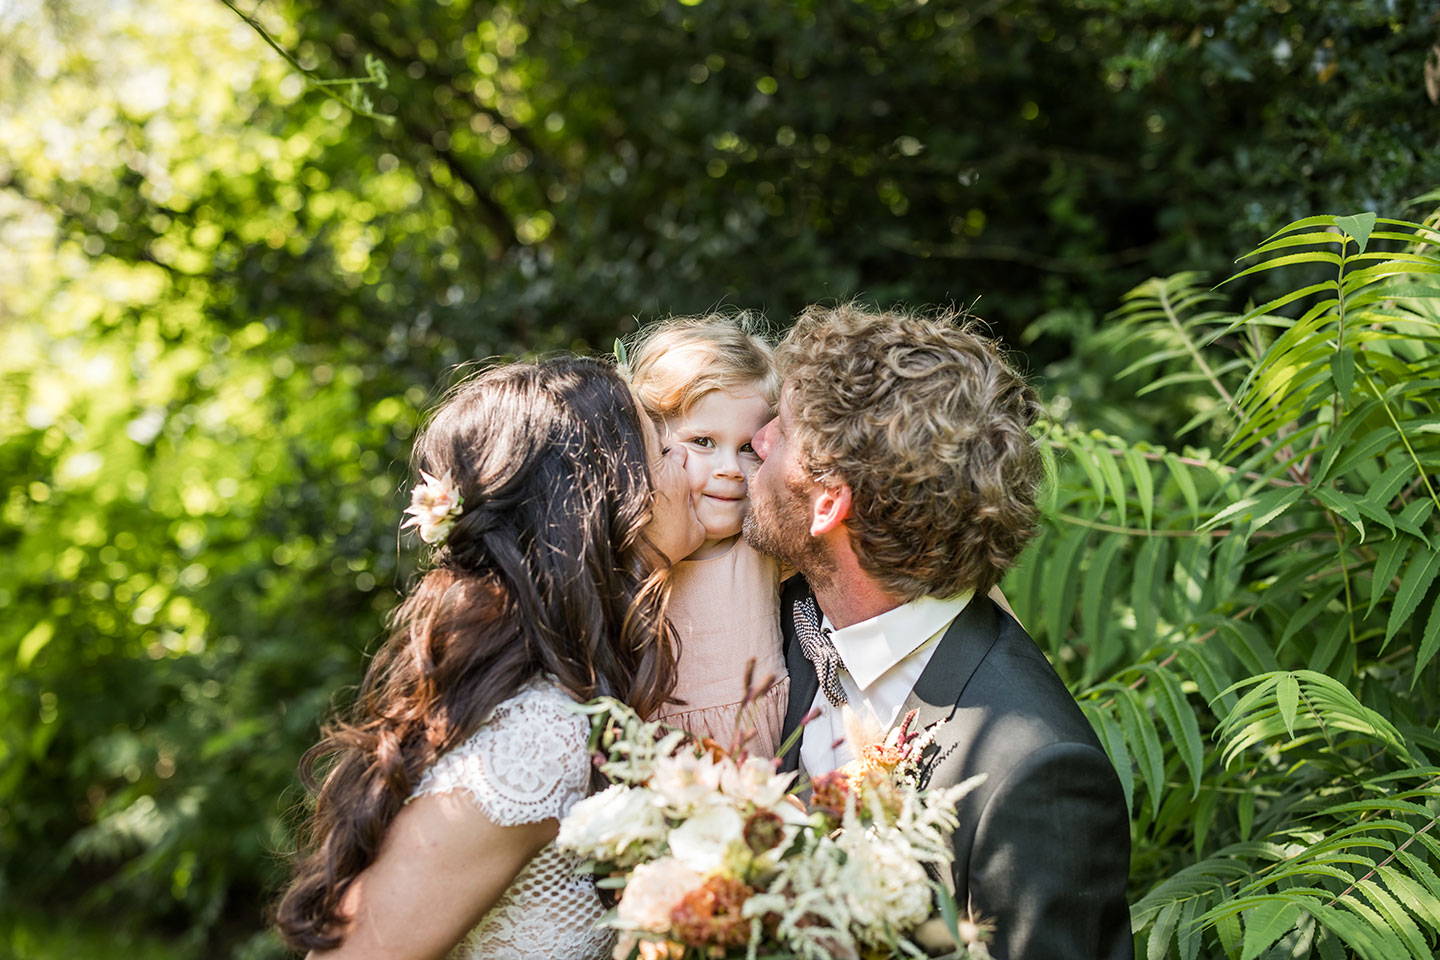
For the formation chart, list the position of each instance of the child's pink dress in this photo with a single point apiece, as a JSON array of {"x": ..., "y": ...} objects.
[{"x": 726, "y": 610}]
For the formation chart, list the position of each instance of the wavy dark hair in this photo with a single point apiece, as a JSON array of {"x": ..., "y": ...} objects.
[{"x": 547, "y": 570}]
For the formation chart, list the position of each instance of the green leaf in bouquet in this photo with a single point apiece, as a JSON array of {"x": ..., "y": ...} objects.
[{"x": 949, "y": 910}]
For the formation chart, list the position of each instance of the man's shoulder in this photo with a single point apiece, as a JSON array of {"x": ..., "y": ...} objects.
[{"x": 1015, "y": 703}]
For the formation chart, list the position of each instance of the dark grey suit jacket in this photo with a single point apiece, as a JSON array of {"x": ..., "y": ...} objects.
[{"x": 1043, "y": 846}]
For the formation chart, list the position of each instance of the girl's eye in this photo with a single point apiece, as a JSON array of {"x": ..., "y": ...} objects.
[
  {"x": 702, "y": 441},
  {"x": 747, "y": 448}
]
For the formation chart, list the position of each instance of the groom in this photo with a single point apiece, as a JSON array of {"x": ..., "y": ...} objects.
[{"x": 899, "y": 478}]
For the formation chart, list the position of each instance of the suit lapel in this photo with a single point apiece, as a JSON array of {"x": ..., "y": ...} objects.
[
  {"x": 965, "y": 644},
  {"x": 804, "y": 684}
]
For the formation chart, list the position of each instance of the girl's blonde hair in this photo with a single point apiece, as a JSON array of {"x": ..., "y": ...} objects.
[{"x": 672, "y": 363}]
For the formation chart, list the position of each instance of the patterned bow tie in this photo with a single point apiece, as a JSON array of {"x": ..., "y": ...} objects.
[{"x": 815, "y": 643}]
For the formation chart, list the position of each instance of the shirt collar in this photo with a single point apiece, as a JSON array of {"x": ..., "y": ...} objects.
[{"x": 872, "y": 647}]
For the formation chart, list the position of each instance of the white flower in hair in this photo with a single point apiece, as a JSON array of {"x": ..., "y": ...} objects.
[{"x": 434, "y": 505}]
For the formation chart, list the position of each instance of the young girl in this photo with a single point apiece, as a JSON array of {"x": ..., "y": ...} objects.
[{"x": 711, "y": 381}]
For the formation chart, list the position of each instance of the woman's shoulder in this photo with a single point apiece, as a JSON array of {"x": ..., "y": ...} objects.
[
  {"x": 527, "y": 762},
  {"x": 540, "y": 708}
]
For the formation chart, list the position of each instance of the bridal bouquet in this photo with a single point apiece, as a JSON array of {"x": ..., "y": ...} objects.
[{"x": 713, "y": 858}]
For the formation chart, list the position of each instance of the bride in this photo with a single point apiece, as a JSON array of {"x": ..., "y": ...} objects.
[{"x": 550, "y": 506}]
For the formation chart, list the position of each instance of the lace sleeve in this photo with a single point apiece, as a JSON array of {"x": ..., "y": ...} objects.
[{"x": 527, "y": 763}]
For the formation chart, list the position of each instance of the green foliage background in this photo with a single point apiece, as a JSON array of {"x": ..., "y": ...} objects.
[{"x": 225, "y": 300}]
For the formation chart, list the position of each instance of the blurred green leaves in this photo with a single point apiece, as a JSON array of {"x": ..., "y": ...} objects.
[{"x": 225, "y": 300}]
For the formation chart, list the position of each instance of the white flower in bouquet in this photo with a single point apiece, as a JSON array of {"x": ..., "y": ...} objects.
[
  {"x": 813, "y": 915},
  {"x": 706, "y": 840},
  {"x": 621, "y": 825},
  {"x": 926, "y": 819},
  {"x": 884, "y": 885},
  {"x": 686, "y": 782},
  {"x": 633, "y": 758},
  {"x": 755, "y": 780}
]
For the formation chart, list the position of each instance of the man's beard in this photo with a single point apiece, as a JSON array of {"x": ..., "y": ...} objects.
[{"x": 780, "y": 527}]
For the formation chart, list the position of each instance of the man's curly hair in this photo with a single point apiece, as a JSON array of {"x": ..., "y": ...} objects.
[{"x": 928, "y": 424}]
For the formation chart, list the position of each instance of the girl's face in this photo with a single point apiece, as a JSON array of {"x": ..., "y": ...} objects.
[
  {"x": 673, "y": 528},
  {"x": 719, "y": 460}
]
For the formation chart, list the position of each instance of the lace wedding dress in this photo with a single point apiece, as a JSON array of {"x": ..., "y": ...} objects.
[{"x": 528, "y": 763}]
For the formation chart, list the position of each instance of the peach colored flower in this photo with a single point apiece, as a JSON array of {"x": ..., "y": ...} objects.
[
  {"x": 711, "y": 915},
  {"x": 653, "y": 890}
]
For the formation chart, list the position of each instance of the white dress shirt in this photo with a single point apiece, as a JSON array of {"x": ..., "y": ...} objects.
[{"x": 883, "y": 657}]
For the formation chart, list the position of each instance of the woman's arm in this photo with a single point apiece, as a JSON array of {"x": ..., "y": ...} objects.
[{"x": 443, "y": 864}]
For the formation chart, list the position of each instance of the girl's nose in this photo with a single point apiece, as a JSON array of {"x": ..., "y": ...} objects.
[{"x": 728, "y": 466}]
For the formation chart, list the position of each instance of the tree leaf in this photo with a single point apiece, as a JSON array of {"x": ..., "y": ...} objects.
[
  {"x": 1110, "y": 470},
  {"x": 1174, "y": 708},
  {"x": 1144, "y": 741},
  {"x": 1245, "y": 813},
  {"x": 1246, "y": 642},
  {"x": 1273, "y": 504},
  {"x": 1308, "y": 611},
  {"x": 1266, "y": 923},
  {"x": 1113, "y": 740},
  {"x": 1061, "y": 584},
  {"x": 1204, "y": 815},
  {"x": 1371, "y": 445},
  {"x": 1227, "y": 568},
  {"x": 1228, "y": 927},
  {"x": 1366, "y": 507},
  {"x": 1085, "y": 455},
  {"x": 1185, "y": 482},
  {"x": 1358, "y": 227},
  {"x": 1387, "y": 561},
  {"x": 1211, "y": 683},
  {"x": 1342, "y": 370},
  {"x": 1187, "y": 931},
  {"x": 1340, "y": 503},
  {"x": 1398, "y": 918},
  {"x": 1287, "y": 697},
  {"x": 1419, "y": 901},
  {"x": 1329, "y": 645},
  {"x": 1413, "y": 516},
  {"x": 1261, "y": 509},
  {"x": 1428, "y": 643},
  {"x": 1096, "y": 602},
  {"x": 1366, "y": 933},
  {"x": 1383, "y": 490},
  {"x": 1157, "y": 945},
  {"x": 1149, "y": 561},
  {"x": 1418, "y": 577},
  {"x": 1144, "y": 483}
]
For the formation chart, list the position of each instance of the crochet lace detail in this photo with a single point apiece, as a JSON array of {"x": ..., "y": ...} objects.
[{"x": 528, "y": 763}]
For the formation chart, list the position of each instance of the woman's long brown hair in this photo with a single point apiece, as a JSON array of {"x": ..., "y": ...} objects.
[{"x": 546, "y": 571}]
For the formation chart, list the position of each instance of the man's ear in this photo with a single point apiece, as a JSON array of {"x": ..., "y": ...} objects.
[{"x": 830, "y": 509}]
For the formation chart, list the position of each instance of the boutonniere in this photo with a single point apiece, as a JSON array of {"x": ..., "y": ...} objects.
[{"x": 899, "y": 758}]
